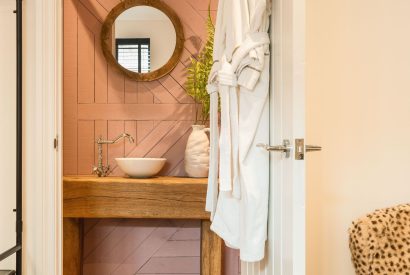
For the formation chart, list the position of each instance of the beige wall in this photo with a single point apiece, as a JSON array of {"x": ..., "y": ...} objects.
[
  {"x": 358, "y": 109},
  {"x": 7, "y": 126}
]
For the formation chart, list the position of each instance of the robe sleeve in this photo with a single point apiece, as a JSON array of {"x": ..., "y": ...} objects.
[{"x": 251, "y": 66}]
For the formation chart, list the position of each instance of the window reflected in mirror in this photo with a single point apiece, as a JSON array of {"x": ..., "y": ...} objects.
[
  {"x": 146, "y": 35},
  {"x": 143, "y": 39},
  {"x": 134, "y": 54}
]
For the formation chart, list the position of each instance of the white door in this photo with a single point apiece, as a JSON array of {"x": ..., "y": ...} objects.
[
  {"x": 286, "y": 246},
  {"x": 287, "y": 192},
  {"x": 286, "y": 237}
]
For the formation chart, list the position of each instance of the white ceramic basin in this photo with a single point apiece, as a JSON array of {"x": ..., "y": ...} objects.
[{"x": 141, "y": 167}]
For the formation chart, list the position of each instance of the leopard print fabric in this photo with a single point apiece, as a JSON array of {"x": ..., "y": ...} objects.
[{"x": 380, "y": 242}]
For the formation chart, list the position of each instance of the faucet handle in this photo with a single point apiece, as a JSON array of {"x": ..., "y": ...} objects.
[
  {"x": 102, "y": 171},
  {"x": 96, "y": 171},
  {"x": 106, "y": 170}
]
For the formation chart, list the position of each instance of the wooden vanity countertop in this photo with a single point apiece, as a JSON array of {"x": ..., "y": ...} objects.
[{"x": 119, "y": 197}]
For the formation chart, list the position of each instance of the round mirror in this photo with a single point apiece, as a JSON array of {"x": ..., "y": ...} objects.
[{"x": 142, "y": 38}]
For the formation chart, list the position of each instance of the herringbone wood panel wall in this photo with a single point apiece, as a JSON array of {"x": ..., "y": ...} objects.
[{"x": 99, "y": 101}]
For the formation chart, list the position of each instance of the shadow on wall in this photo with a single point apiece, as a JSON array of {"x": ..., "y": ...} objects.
[{"x": 99, "y": 101}]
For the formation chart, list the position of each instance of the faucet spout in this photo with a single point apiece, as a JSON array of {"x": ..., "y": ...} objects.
[
  {"x": 104, "y": 170},
  {"x": 115, "y": 140}
]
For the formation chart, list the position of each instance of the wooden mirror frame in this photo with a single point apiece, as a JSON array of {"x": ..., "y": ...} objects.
[{"x": 106, "y": 38}]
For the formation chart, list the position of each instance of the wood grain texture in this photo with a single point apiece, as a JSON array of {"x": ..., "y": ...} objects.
[
  {"x": 155, "y": 108},
  {"x": 211, "y": 251},
  {"x": 163, "y": 197},
  {"x": 72, "y": 245},
  {"x": 159, "y": 249}
]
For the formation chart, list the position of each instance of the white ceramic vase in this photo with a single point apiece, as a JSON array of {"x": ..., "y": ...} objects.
[{"x": 197, "y": 153}]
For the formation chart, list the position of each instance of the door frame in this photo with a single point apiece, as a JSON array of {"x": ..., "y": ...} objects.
[
  {"x": 42, "y": 172},
  {"x": 287, "y": 237},
  {"x": 43, "y": 60},
  {"x": 285, "y": 253}
]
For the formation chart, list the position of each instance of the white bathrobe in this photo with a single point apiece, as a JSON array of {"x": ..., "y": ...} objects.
[{"x": 240, "y": 76}]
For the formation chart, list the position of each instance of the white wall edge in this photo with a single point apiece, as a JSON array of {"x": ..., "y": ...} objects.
[{"x": 42, "y": 84}]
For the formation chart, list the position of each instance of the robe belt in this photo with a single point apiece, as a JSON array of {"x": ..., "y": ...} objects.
[
  {"x": 252, "y": 41},
  {"x": 229, "y": 137},
  {"x": 212, "y": 192}
]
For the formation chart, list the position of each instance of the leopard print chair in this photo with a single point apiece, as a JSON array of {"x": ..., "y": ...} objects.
[{"x": 380, "y": 242}]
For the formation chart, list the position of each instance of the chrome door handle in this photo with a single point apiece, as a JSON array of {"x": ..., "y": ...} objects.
[
  {"x": 284, "y": 148},
  {"x": 313, "y": 148},
  {"x": 300, "y": 148}
]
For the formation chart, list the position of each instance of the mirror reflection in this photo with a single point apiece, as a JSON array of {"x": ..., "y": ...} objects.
[{"x": 145, "y": 39}]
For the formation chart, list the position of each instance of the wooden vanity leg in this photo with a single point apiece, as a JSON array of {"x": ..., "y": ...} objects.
[
  {"x": 72, "y": 248},
  {"x": 211, "y": 251}
]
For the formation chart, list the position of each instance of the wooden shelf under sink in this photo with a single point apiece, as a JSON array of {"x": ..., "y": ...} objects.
[
  {"x": 116, "y": 197},
  {"x": 153, "y": 198}
]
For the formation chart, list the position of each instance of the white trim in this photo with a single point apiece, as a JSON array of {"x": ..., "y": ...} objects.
[
  {"x": 287, "y": 206},
  {"x": 42, "y": 84},
  {"x": 286, "y": 231}
]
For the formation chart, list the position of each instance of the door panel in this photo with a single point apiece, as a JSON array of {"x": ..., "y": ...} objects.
[
  {"x": 8, "y": 130},
  {"x": 286, "y": 237},
  {"x": 287, "y": 206}
]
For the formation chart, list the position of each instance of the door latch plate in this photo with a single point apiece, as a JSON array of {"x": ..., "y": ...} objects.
[{"x": 299, "y": 149}]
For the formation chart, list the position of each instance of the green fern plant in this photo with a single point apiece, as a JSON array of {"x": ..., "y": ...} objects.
[{"x": 198, "y": 73}]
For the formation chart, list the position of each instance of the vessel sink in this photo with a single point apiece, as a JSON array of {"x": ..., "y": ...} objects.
[{"x": 141, "y": 167}]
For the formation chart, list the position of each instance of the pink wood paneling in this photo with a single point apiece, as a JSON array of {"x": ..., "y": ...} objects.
[
  {"x": 203, "y": 5},
  {"x": 85, "y": 147},
  {"x": 158, "y": 112},
  {"x": 85, "y": 64},
  {"x": 144, "y": 251},
  {"x": 94, "y": 7},
  {"x": 189, "y": 14},
  {"x": 173, "y": 265},
  {"x": 70, "y": 88},
  {"x": 179, "y": 74},
  {"x": 100, "y": 101},
  {"x": 144, "y": 127},
  {"x": 179, "y": 249},
  {"x": 101, "y": 70},
  {"x": 116, "y": 86},
  {"x": 131, "y": 91},
  {"x": 89, "y": 224},
  {"x": 169, "y": 139},
  {"x": 137, "y": 232},
  {"x": 144, "y": 95},
  {"x": 160, "y": 92},
  {"x": 97, "y": 234},
  {"x": 86, "y": 17},
  {"x": 175, "y": 153},
  {"x": 109, "y": 4},
  {"x": 130, "y": 127},
  {"x": 186, "y": 57},
  {"x": 100, "y": 130},
  {"x": 175, "y": 88},
  {"x": 115, "y": 128},
  {"x": 231, "y": 262}
]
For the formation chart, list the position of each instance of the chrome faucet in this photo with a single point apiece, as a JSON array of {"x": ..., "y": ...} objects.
[{"x": 104, "y": 170}]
